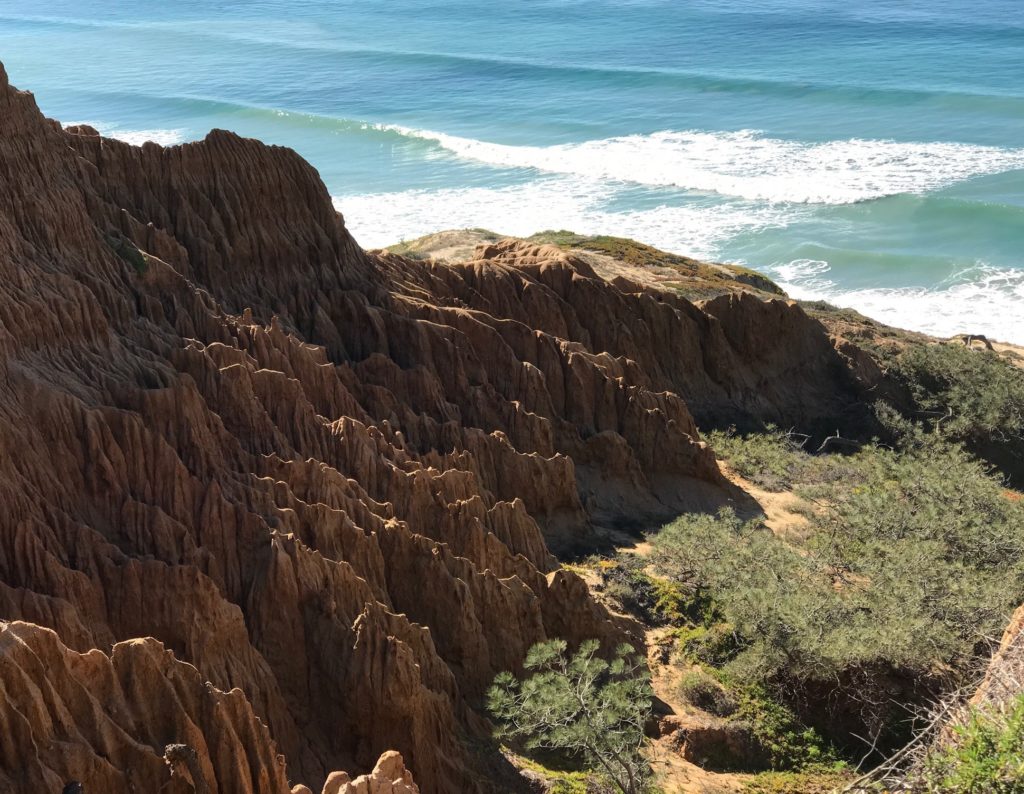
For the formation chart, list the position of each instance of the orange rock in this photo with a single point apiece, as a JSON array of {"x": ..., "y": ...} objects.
[
  {"x": 389, "y": 776},
  {"x": 105, "y": 721},
  {"x": 1005, "y": 672},
  {"x": 326, "y": 479}
]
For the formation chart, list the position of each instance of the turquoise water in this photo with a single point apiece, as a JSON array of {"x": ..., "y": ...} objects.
[{"x": 870, "y": 153}]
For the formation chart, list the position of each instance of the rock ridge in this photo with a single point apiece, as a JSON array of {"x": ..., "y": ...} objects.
[{"x": 293, "y": 504}]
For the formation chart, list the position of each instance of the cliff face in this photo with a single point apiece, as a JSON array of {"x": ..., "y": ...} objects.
[
  {"x": 1004, "y": 676},
  {"x": 105, "y": 720},
  {"x": 325, "y": 478}
]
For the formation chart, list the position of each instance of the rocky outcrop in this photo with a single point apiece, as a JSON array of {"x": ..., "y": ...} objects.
[
  {"x": 389, "y": 776},
  {"x": 327, "y": 482},
  {"x": 104, "y": 720},
  {"x": 107, "y": 716}
]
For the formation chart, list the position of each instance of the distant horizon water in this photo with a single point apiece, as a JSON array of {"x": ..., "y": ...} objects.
[{"x": 869, "y": 154}]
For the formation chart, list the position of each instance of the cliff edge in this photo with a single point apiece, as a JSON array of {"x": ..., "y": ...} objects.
[{"x": 323, "y": 485}]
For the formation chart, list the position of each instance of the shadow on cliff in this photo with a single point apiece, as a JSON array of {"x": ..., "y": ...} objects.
[{"x": 326, "y": 479}]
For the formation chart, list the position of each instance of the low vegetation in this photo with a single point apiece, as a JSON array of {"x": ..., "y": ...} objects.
[
  {"x": 967, "y": 388},
  {"x": 912, "y": 557},
  {"x": 453, "y": 245},
  {"x": 984, "y": 754},
  {"x": 770, "y": 460},
  {"x": 818, "y": 781},
  {"x": 975, "y": 396},
  {"x": 654, "y": 600},
  {"x": 702, "y": 690},
  {"x": 696, "y": 279},
  {"x": 968, "y": 749},
  {"x": 127, "y": 251},
  {"x": 629, "y": 251},
  {"x": 829, "y": 313},
  {"x": 556, "y": 781}
]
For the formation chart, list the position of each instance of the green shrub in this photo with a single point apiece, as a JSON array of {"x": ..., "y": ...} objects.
[
  {"x": 984, "y": 756},
  {"x": 777, "y": 462},
  {"x": 653, "y": 599},
  {"x": 127, "y": 251},
  {"x": 766, "y": 589},
  {"x": 972, "y": 395},
  {"x": 714, "y": 645},
  {"x": 788, "y": 742},
  {"x": 701, "y": 690},
  {"x": 767, "y": 459},
  {"x": 625, "y": 581},
  {"x": 906, "y": 565},
  {"x": 911, "y": 557},
  {"x": 558, "y": 781},
  {"x": 825, "y": 780},
  {"x": 784, "y": 740}
]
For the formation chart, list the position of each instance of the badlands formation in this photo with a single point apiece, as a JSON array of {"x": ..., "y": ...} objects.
[{"x": 277, "y": 509}]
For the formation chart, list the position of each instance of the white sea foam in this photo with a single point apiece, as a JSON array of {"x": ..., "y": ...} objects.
[
  {"x": 139, "y": 137},
  {"x": 981, "y": 299},
  {"x": 749, "y": 165},
  {"x": 555, "y": 203},
  {"x": 135, "y": 137}
]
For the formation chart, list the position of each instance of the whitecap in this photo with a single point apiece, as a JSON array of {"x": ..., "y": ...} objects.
[
  {"x": 164, "y": 137},
  {"x": 139, "y": 137},
  {"x": 981, "y": 299},
  {"x": 699, "y": 230},
  {"x": 747, "y": 164}
]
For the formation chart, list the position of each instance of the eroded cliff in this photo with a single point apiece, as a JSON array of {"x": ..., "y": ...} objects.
[{"x": 327, "y": 483}]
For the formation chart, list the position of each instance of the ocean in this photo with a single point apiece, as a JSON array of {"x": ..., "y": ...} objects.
[{"x": 866, "y": 153}]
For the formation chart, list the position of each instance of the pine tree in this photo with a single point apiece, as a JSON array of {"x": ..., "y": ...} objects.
[{"x": 583, "y": 706}]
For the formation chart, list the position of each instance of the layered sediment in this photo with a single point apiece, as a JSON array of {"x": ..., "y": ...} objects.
[{"x": 291, "y": 504}]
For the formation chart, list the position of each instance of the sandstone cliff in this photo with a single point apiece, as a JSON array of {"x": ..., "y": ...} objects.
[
  {"x": 1004, "y": 676},
  {"x": 326, "y": 483}
]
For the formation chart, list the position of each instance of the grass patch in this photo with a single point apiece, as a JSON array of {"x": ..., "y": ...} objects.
[
  {"x": 628, "y": 251},
  {"x": 814, "y": 781},
  {"x": 711, "y": 643},
  {"x": 789, "y": 743},
  {"x": 461, "y": 240},
  {"x": 558, "y": 781},
  {"x": 639, "y": 255},
  {"x": 825, "y": 310}
]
